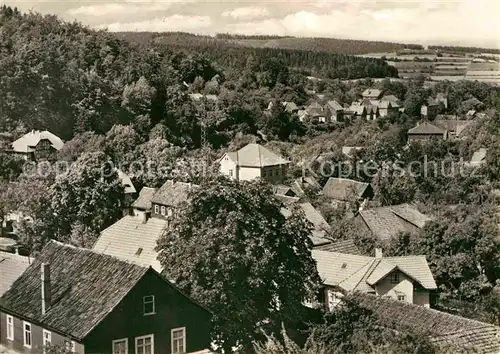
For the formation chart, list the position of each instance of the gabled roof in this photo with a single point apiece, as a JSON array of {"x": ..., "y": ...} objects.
[
  {"x": 132, "y": 240},
  {"x": 452, "y": 125},
  {"x": 255, "y": 155},
  {"x": 427, "y": 128},
  {"x": 290, "y": 106},
  {"x": 173, "y": 193},
  {"x": 371, "y": 93},
  {"x": 353, "y": 272},
  {"x": 395, "y": 102},
  {"x": 342, "y": 246},
  {"x": 315, "y": 109},
  {"x": 444, "y": 328},
  {"x": 281, "y": 189},
  {"x": 315, "y": 218},
  {"x": 143, "y": 202},
  {"x": 126, "y": 182},
  {"x": 300, "y": 183},
  {"x": 342, "y": 188},
  {"x": 387, "y": 222},
  {"x": 28, "y": 141},
  {"x": 357, "y": 108},
  {"x": 86, "y": 286},
  {"x": 11, "y": 268},
  {"x": 334, "y": 106}
]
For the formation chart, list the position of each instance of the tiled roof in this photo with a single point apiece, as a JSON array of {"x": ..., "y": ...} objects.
[
  {"x": 300, "y": 183},
  {"x": 452, "y": 125},
  {"x": 285, "y": 199},
  {"x": 395, "y": 102},
  {"x": 427, "y": 128},
  {"x": 28, "y": 141},
  {"x": 255, "y": 155},
  {"x": 342, "y": 188},
  {"x": 387, "y": 222},
  {"x": 357, "y": 108},
  {"x": 343, "y": 246},
  {"x": 173, "y": 193},
  {"x": 11, "y": 267},
  {"x": 143, "y": 202},
  {"x": 315, "y": 218},
  {"x": 126, "y": 182},
  {"x": 132, "y": 240},
  {"x": 354, "y": 272},
  {"x": 443, "y": 328},
  {"x": 85, "y": 285},
  {"x": 334, "y": 106},
  {"x": 281, "y": 189}
]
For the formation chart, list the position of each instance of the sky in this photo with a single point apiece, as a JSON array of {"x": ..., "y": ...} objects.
[{"x": 454, "y": 22}]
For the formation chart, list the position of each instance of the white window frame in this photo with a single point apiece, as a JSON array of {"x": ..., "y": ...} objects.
[
  {"x": 230, "y": 173},
  {"x": 402, "y": 296},
  {"x": 163, "y": 210},
  {"x": 183, "y": 329},
  {"x": 157, "y": 209},
  {"x": 144, "y": 305},
  {"x": 118, "y": 341},
  {"x": 24, "y": 334},
  {"x": 10, "y": 327},
  {"x": 44, "y": 332},
  {"x": 144, "y": 337},
  {"x": 70, "y": 345}
]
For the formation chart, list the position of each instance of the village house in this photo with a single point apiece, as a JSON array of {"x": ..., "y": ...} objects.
[
  {"x": 347, "y": 191},
  {"x": 143, "y": 204},
  {"x": 12, "y": 265},
  {"x": 478, "y": 157},
  {"x": 372, "y": 94},
  {"x": 94, "y": 303},
  {"x": 334, "y": 111},
  {"x": 37, "y": 145},
  {"x": 454, "y": 127},
  {"x": 357, "y": 110},
  {"x": 129, "y": 190},
  {"x": 444, "y": 329},
  {"x": 253, "y": 161},
  {"x": 426, "y": 131},
  {"x": 430, "y": 110},
  {"x": 386, "y": 222},
  {"x": 316, "y": 112},
  {"x": 407, "y": 278},
  {"x": 301, "y": 184},
  {"x": 169, "y": 198}
]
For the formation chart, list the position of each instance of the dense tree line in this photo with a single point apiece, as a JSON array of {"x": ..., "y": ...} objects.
[{"x": 458, "y": 49}]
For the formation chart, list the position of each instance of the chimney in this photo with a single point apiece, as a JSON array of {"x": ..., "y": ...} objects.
[
  {"x": 378, "y": 253},
  {"x": 46, "y": 291}
]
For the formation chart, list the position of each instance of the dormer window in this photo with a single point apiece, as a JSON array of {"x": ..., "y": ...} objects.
[
  {"x": 157, "y": 209},
  {"x": 149, "y": 305},
  {"x": 395, "y": 278}
]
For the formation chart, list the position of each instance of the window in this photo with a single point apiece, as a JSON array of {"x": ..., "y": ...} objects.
[
  {"x": 27, "y": 334},
  {"x": 163, "y": 210},
  {"x": 10, "y": 327},
  {"x": 263, "y": 173},
  {"x": 169, "y": 212},
  {"x": 179, "y": 340},
  {"x": 144, "y": 344},
  {"x": 395, "y": 278},
  {"x": 157, "y": 209},
  {"x": 230, "y": 173},
  {"x": 47, "y": 339},
  {"x": 401, "y": 297},
  {"x": 149, "y": 305},
  {"x": 69, "y": 345},
  {"x": 120, "y": 346}
]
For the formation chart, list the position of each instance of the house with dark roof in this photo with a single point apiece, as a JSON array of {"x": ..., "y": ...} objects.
[
  {"x": 301, "y": 184},
  {"x": 426, "y": 131},
  {"x": 95, "y": 303},
  {"x": 170, "y": 197},
  {"x": 254, "y": 161},
  {"x": 454, "y": 127},
  {"x": 430, "y": 109},
  {"x": 334, "y": 111},
  {"x": 408, "y": 279},
  {"x": 316, "y": 112},
  {"x": 347, "y": 190},
  {"x": 143, "y": 202},
  {"x": 386, "y": 222},
  {"x": 37, "y": 145},
  {"x": 452, "y": 333}
]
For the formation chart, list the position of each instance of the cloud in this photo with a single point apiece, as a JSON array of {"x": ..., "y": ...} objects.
[
  {"x": 246, "y": 13},
  {"x": 119, "y": 9},
  {"x": 177, "y": 22},
  {"x": 464, "y": 22}
]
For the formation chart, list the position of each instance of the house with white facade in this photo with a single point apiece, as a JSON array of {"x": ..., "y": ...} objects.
[
  {"x": 408, "y": 279},
  {"x": 254, "y": 161}
]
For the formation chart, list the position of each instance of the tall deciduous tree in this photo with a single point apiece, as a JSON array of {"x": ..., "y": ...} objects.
[
  {"x": 88, "y": 197},
  {"x": 232, "y": 249}
]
